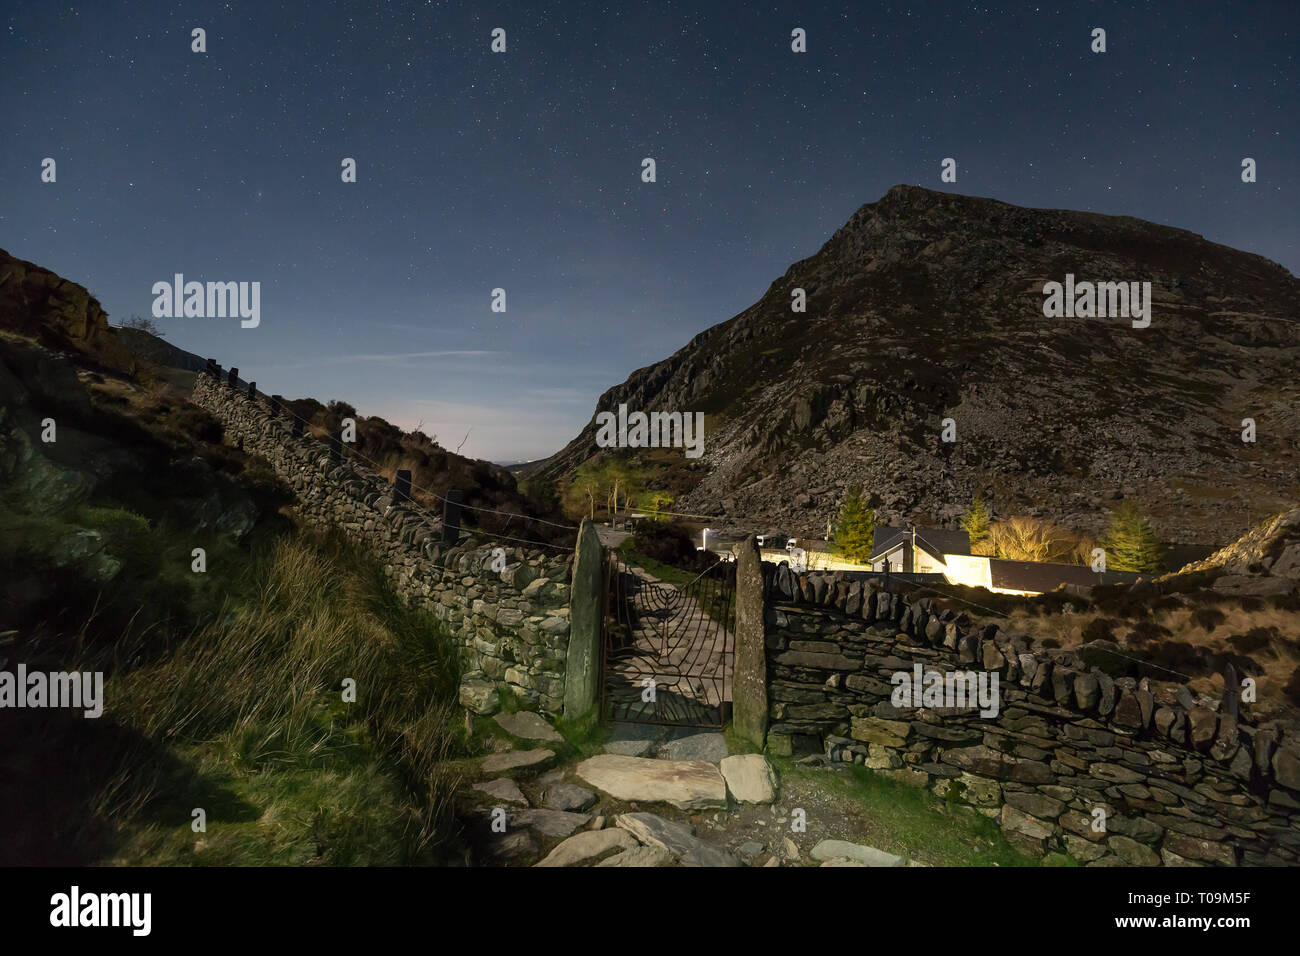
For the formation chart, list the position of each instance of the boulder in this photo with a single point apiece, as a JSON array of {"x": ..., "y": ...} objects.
[{"x": 750, "y": 778}]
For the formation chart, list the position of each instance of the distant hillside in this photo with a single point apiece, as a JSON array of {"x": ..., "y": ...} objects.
[
  {"x": 38, "y": 306},
  {"x": 929, "y": 305},
  {"x": 144, "y": 345}
]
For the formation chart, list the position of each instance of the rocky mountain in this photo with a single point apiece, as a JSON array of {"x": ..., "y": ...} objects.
[{"x": 928, "y": 306}]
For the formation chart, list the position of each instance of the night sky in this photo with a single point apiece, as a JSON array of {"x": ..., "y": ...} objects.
[{"x": 522, "y": 170}]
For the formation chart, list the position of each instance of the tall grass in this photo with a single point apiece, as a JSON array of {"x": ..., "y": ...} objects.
[{"x": 246, "y": 718}]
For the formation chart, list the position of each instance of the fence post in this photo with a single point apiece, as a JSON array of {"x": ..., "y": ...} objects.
[
  {"x": 233, "y": 380},
  {"x": 582, "y": 662},
  {"x": 451, "y": 516},
  {"x": 749, "y": 681},
  {"x": 402, "y": 485},
  {"x": 252, "y": 390},
  {"x": 275, "y": 406}
]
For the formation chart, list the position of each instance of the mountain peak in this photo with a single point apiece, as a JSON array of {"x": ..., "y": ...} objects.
[{"x": 928, "y": 305}]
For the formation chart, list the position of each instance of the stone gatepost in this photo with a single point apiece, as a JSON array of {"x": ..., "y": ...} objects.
[
  {"x": 749, "y": 681},
  {"x": 582, "y": 664}
]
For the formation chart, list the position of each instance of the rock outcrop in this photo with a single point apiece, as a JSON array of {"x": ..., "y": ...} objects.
[
  {"x": 56, "y": 312},
  {"x": 1262, "y": 563}
]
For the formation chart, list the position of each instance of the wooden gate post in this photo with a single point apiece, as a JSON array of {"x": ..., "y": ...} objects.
[
  {"x": 749, "y": 682},
  {"x": 582, "y": 663},
  {"x": 451, "y": 516},
  {"x": 402, "y": 485}
]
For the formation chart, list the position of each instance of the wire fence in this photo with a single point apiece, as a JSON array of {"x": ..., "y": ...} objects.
[{"x": 354, "y": 453}]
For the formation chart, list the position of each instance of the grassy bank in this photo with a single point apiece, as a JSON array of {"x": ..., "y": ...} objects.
[
  {"x": 246, "y": 719},
  {"x": 870, "y": 808}
]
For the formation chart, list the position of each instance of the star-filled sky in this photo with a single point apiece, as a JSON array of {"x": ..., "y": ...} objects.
[{"x": 522, "y": 170}]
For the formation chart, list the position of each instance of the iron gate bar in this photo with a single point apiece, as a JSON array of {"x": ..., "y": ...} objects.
[{"x": 681, "y": 638}]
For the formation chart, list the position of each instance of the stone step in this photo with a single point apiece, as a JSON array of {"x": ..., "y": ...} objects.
[
  {"x": 504, "y": 791},
  {"x": 517, "y": 760},
  {"x": 528, "y": 726},
  {"x": 686, "y": 784}
]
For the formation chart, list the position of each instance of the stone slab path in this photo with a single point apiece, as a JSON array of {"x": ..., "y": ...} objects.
[
  {"x": 528, "y": 726},
  {"x": 631, "y": 739},
  {"x": 590, "y": 814},
  {"x": 517, "y": 759},
  {"x": 686, "y": 784}
]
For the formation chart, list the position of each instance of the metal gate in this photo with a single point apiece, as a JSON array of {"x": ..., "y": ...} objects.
[{"x": 667, "y": 652}]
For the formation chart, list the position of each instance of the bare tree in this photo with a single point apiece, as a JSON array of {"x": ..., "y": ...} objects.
[{"x": 143, "y": 324}]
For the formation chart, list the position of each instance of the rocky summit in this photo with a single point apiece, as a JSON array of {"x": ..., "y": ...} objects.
[
  {"x": 37, "y": 304},
  {"x": 929, "y": 306}
]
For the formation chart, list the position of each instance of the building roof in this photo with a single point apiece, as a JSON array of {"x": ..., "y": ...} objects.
[
  {"x": 1041, "y": 577},
  {"x": 935, "y": 541}
]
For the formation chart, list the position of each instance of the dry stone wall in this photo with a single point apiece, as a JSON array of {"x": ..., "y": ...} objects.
[
  {"x": 512, "y": 625},
  {"x": 1180, "y": 780}
]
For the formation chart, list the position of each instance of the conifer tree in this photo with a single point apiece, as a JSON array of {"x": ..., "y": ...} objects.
[
  {"x": 856, "y": 528},
  {"x": 1130, "y": 543},
  {"x": 976, "y": 521}
]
